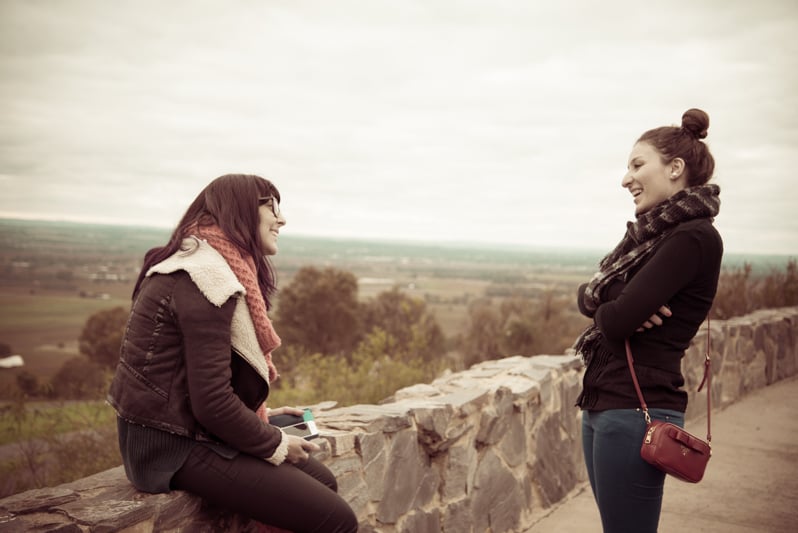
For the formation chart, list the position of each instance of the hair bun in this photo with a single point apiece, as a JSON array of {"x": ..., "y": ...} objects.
[{"x": 696, "y": 122}]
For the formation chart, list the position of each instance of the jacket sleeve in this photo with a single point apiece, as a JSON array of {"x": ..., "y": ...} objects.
[
  {"x": 672, "y": 267},
  {"x": 208, "y": 352}
]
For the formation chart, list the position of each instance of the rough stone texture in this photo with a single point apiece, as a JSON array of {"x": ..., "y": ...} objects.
[{"x": 484, "y": 450}]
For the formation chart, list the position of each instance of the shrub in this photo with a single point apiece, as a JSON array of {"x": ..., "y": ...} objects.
[
  {"x": 28, "y": 383},
  {"x": 741, "y": 292},
  {"x": 55, "y": 443},
  {"x": 79, "y": 379},
  {"x": 373, "y": 372},
  {"x": 101, "y": 337}
]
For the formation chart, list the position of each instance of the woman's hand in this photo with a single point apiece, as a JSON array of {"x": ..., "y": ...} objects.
[
  {"x": 285, "y": 411},
  {"x": 299, "y": 449},
  {"x": 655, "y": 319}
]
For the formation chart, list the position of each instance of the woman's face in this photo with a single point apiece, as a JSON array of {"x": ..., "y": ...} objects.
[
  {"x": 650, "y": 180},
  {"x": 271, "y": 220}
]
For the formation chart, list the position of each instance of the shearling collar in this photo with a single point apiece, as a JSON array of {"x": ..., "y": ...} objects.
[{"x": 207, "y": 269}]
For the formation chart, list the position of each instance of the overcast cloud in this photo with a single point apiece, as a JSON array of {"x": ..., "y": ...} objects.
[{"x": 472, "y": 121}]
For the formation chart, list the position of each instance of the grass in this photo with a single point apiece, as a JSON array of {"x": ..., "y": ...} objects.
[
  {"x": 49, "y": 443},
  {"x": 35, "y": 420}
]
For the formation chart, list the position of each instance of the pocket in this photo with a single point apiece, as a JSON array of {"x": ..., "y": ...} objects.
[
  {"x": 668, "y": 415},
  {"x": 140, "y": 378}
]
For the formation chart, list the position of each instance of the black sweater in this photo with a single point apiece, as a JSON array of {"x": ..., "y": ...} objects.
[{"x": 682, "y": 274}]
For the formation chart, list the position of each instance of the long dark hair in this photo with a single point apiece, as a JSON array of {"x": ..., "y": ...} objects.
[
  {"x": 230, "y": 202},
  {"x": 686, "y": 143}
]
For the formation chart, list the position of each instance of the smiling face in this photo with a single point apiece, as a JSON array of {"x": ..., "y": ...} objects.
[
  {"x": 649, "y": 179},
  {"x": 271, "y": 220}
]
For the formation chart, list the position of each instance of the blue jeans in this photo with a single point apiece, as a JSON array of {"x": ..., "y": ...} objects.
[{"x": 627, "y": 489}]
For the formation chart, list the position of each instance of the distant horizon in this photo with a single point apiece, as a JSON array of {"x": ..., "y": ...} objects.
[{"x": 733, "y": 255}]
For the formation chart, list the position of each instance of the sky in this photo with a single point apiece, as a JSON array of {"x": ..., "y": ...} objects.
[{"x": 442, "y": 121}]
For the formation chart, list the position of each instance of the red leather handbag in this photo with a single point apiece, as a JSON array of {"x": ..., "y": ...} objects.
[{"x": 669, "y": 447}]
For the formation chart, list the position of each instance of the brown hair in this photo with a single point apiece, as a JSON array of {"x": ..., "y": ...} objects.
[
  {"x": 685, "y": 142},
  {"x": 230, "y": 202}
]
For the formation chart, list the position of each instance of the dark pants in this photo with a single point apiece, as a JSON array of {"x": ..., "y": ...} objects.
[
  {"x": 627, "y": 489},
  {"x": 299, "y": 498}
]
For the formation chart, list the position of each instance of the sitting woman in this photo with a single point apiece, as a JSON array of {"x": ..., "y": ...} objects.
[{"x": 195, "y": 368}]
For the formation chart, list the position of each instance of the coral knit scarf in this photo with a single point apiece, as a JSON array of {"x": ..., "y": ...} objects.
[{"x": 243, "y": 266}]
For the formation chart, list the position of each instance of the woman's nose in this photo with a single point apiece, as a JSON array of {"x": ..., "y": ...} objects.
[{"x": 626, "y": 180}]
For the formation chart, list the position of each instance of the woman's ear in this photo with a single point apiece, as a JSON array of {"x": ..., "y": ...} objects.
[{"x": 677, "y": 168}]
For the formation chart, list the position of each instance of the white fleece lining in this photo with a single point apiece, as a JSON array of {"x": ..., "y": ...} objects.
[
  {"x": 279, "y": 455},
  {"x": 217, "y": 282}
]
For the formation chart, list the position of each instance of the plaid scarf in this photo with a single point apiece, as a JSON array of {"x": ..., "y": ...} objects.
[
  {"x": 244, "y": 269},
  {"x": 641, "y": 240}
]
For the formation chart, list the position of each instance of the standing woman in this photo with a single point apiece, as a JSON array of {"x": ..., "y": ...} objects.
[
  {"x": 195, "y": 368},
  {"x": 655, "y": 288}
]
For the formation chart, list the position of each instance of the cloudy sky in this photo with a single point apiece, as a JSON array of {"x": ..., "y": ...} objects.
[{"x": 488, "y": 121}]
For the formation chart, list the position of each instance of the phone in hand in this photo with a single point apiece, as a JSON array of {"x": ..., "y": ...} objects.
[{"x": 302, "y": 426}]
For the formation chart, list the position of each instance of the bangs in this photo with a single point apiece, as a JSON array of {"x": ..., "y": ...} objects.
[{"x": 267, "y": 188}]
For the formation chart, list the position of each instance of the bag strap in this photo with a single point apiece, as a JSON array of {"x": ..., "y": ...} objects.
[{"x": 707, "y": 379}]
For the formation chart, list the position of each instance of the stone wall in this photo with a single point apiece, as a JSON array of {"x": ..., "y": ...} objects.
[{"x": 487, "y": 449}]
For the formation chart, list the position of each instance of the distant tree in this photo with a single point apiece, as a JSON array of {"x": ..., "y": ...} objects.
[
  {"x": 540, "y": 325},
  {"x": 79, "y": 379},
  {"x": 5, "y": 350},
  {"x": 778, "y": 288},
  {"x": 519, "y": 332},
  {"x": 741, "y": 292},
  {"x": 482, "y": 338},
  {"x": 319, "y": 311},
  {"x": 520, "y": 326},
  {"x": 101, "y": 337},
  {"x": 733, "y": 297},
  {"x": 407, "y": 320}
]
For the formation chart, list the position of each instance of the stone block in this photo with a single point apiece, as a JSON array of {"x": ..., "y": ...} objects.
[
  {"x": 387, "y": 418},
  {"x": 340, "y": 442},
  {"x": 431, "y": 424},
  {"x": 407, "y": 466},
  {"x": 498, "y": 497},
  {"x": 512, "y": 446},
  {"x": 345, "y": 465},
  {"x": 459, "y": 470},
  {"x": 354, "y": 489},
  {"x": 466, "y": 401},
  {"x": 36, "y": 500},
  {"x": 421, "y": 522},
  {"x": 553, "y": 462},
  {"x": 495, "y": 419},
  {"x": 457, "y": 518}
]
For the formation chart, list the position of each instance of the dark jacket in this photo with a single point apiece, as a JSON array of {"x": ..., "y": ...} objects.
[
  {"x": 190, "y": 363},
  {"x": 683, "y": 274}
]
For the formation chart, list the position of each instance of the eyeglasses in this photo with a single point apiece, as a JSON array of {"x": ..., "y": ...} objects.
[{"x": 272, "y": 202}]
